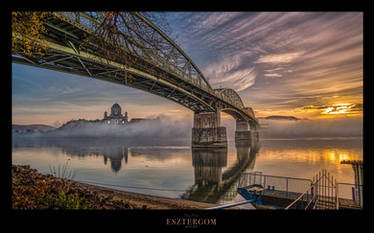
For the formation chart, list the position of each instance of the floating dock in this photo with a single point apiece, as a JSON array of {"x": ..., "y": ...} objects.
[{"x": 277, "y": 192}]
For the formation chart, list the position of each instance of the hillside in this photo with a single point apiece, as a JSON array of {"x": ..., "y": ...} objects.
[
  {"x": 290, "y": 118},
  {"x": 37, "y": 128}
]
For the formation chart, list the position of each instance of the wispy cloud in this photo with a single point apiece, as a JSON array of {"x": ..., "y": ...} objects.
[
  {"x": 230, "y": 72},
  {"x": 279, "y": 58},
  {"x": 272, "y": 75},
  {"x": 343, "y": 108}
]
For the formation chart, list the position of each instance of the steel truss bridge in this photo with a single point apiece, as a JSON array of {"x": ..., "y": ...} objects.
[{"x": 77, "y": 44}]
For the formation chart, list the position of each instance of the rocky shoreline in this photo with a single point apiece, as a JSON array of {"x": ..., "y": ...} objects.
[{"x": 33, "y": 190}]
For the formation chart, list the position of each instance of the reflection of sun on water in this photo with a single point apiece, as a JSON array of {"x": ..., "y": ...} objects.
[
  {"x": 343, "y": 157},
  {"x": 333, "y": 156},
  {"x": 336, "y": 156}
]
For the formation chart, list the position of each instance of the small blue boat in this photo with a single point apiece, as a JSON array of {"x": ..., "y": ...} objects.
[{"x": 252, "y": 193}]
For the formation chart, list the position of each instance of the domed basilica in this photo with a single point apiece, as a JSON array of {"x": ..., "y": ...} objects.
[{"x": 116, "y": 117}]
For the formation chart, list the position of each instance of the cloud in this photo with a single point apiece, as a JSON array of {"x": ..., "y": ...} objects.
[
  {"x": 279, "y": 58},
  {"x": 343, "y": 108},
  {"x": 273, "y": 75},
  {"x": 231, "y": 72}
]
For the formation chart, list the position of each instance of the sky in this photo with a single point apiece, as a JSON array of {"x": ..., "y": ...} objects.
[{"x": 303, "y": 64}]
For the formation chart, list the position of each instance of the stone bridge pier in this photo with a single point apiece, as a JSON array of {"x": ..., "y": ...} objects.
[
  {"x": 207, "y": 130},
  {"x": 246, "y": 132}
]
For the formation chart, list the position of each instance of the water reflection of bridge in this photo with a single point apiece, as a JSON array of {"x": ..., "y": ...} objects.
[{"x": 213, "y": 185}]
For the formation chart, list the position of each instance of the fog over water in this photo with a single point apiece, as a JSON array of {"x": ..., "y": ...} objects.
[
  {"x": 163, "y": 126},
  {"x": 319, "y": 128},
  {"x": 313, "y": 128},
  {"x": 167, "y": 127}
]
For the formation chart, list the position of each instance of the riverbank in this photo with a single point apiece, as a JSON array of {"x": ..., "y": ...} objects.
[{"x": 33, "y": 190}]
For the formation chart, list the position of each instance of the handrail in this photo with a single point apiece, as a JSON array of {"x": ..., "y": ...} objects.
[
  {"x": 297, "y": 199},
  {"x": 290, "y": 177},
  {"x": 310, "y": 202},
  {"x": 315, "y": 204},
  {"x": 230, "y": 205},
  {"x": 349, "y": 184}
]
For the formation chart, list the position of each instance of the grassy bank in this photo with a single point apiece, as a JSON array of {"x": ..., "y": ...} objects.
[{"x": 33, "y": 190}]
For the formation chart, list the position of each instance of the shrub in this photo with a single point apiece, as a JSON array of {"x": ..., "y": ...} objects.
[{"x": 70, "y": 201}]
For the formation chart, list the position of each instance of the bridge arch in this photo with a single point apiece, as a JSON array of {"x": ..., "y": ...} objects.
[
  {"x": 240, "y": 114},
  {"x": 232, "y": 95}
]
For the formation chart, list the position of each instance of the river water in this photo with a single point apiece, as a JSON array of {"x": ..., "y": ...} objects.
[{"x": 170, "y": 168}]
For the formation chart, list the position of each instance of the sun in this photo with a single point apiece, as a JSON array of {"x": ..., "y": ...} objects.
[{"x": 338, "y": 109}]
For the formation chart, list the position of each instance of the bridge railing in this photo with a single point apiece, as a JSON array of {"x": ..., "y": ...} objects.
[{"x": 89, "y": 20}]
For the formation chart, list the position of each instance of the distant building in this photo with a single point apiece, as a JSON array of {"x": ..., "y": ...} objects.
[{"x": 116, "y": 117}]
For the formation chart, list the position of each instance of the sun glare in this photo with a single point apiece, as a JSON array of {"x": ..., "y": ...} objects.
[{"x": 337, "y": 109}]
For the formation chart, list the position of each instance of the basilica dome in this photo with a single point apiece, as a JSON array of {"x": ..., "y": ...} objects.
[
  {"x": 116, "y": 110},
  {"x": 116, "y": 116},
  {"x": 116, "y": 106}
]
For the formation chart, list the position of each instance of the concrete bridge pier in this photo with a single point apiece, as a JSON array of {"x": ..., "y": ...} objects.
[
  {"x": 207, "y": 131},
  {"x": 242, "y": 132},
  {"x": 246, "y": 132}
]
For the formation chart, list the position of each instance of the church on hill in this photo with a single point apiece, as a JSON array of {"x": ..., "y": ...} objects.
[{"x": 116, "y": 117}]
